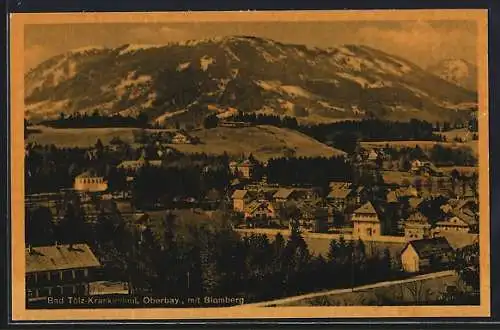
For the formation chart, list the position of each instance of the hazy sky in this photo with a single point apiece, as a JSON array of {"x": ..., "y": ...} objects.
[{"x": 423, "y": 42}]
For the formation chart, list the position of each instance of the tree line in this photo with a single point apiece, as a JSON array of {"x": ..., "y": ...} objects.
[
  {"x": 316, "y": 171},
  {"x": 96, "y": 120},
  {"x": 209, "y": 258}
]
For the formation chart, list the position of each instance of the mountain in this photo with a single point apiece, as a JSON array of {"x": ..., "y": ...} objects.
[
  {"x": 183, "y": 82},
  {"x": 456, "y": 71}
]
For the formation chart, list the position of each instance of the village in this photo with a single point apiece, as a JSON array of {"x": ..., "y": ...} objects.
[{"x": 419, "y": 214}]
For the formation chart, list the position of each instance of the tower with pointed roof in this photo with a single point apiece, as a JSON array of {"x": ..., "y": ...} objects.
[{"x": 366, "y": 223}]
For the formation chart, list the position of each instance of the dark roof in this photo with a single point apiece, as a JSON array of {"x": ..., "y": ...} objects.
[
  {"x": 49, "y": 258},
  {"x": 367, "y": 208},
  {"x": 431, "y": 246}
]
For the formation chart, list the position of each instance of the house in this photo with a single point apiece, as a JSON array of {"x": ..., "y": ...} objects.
[
  {"x": 426, "y": 254},
  {"x": 424, "y": 167},
  {"x": 59, "y": 270},
  {"x": 233, "y": 124},
  {"x": 134, "y": 165},
  {"x": 416, "y": 227},
  {"x": 366, "y": 223},
  {"x": 372, "y": 155},
  {"x": 260, "y": 210},
  {"x": 416, "y": 164},
  {"x": 243, "y": 169},
  {"x": 240, "y": 199},
  {"x": 90, "y": 181},
  {"x": 180, "y": 138},
  {"x": 456, "y": 223},
  {"x": 341, "y": 195},
  {"x": 283, "y": 195}
]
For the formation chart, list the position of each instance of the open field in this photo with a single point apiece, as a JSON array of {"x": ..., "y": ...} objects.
[
  {"x": 461, "y": 169},
  {"x": 80, "y": 137},
  {"x": 422, "y": 144},
  {"x": 264, "y": 142}
]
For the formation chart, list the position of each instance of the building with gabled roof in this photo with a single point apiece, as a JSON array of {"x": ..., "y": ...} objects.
[
  {"x": 240, "y": 198},
  {"x": 366, "y": 223},
  {"x": 260, "y": 210},
  {"x": 243, "y": 169},
  {"x": 417, "y": 227},
  {"x": 426, "y": 254},
  {"x": 59, "y": 270},
  {"x": 134, "y": 165},
  {"x": 459, "y": 222},
  {"x": 283, "y": 195}
]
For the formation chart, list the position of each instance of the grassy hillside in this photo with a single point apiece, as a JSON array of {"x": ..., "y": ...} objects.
[
  {"x": 263, "y": 141},
  {"x": 79, "y": 137}
]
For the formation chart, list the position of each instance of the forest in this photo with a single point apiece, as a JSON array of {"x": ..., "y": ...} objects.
[{"x": 96, "y": 120}]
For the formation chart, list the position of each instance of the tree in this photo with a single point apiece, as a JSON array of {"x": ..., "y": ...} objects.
[
  {"x": 333, "y": 249},
  {"x": 466, "y": 263},
  {"x": 72, "y": 228},
  {"x": 211, "y": 121},
  {"x": 39, "y": 227}
]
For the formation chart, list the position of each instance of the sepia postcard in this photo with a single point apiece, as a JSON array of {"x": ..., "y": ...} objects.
[{"x": 249, "y": 165}]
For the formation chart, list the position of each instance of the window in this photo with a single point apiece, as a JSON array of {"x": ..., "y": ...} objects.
[
  {"x": 31, "y": 293},
  {"x": 30, "y": 279},
  {"x": 67, "y": 275},
  {"x": 79, "y": 274},
  {"x": 81, "y": 290},
  {"x": 57, "y": 291},
  {"x": 68, "y": 290},
  {"x": 43, "y": 292},
  {"x": 55, "y": 277}
]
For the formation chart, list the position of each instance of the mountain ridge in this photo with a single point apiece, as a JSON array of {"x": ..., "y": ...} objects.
[
  {"x": 457, "y": 71},
  {"x": 184, "y": 82}
]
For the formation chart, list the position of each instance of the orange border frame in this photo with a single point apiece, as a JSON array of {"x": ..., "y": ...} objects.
[{"x": 19, "y": 311}]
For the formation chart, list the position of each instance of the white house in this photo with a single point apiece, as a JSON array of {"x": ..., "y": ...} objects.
[
  {"x": 372, "y": 155},
  {"x": 91, "y": 182},
  {"x": 180, "y": 138},
  {"x": 453, "y": 223},
  {"x": 240, "y": 200},
  {"x": 424, "y": 254},
  {"x": 366, "y": 223}
]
